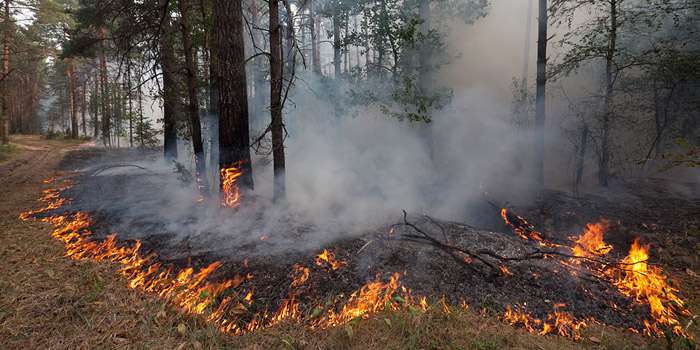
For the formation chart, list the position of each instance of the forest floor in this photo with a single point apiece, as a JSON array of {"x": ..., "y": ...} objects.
[{"x": 48, "y": 301}]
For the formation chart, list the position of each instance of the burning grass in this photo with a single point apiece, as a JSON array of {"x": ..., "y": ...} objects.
[{"x": 231, "y": 302}]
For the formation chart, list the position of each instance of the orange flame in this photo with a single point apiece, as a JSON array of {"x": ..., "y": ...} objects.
[
  {"x": 231, "y": 193},
  {"x": 521, "y": 227},
  {"x": 559, "y": 322},
  {"x": 648, "y": 285},
  {"x": 591, "y": 241},
  {"x": 328, "y": 257}
]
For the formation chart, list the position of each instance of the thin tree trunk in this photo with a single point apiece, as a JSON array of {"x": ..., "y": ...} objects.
[
  {"x": 96, "y": 100},
  {"x": 526, "y": 48},
  {"x": 336, "y": 43},
  {"x": 5, "y": 117},
  {"x": 276, "y": 104},
  {"x": 581, "y": 158},
  {"x": 234, "y": 132},
  {"x": 167, "y": 65},
  {"x": 604, "y": 166},
  {"x": 315, "y": 24},
  {"x": 83, "y": 105},
  {"x": 130, "y": 111},
  {"x": 193, "y": 105},
  {"x": 540, "y": 93},
  {"x": 106, "y": 112},
  {"x": 72, "y": 100}
]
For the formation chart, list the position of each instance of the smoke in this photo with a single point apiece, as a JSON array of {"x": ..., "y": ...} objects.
[{"x": 351, "y": 172}]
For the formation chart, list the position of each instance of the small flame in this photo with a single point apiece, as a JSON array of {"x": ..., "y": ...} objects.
[
  {"x": 521, "y": 227},
  {"x": 231, "y": 193},
  {"x": 591, "y": 241},
  {"x": 328, "y": 258},
  {"x": 559, "y": 322}
]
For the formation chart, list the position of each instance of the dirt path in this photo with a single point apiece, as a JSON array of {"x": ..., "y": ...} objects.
[{"x": 48, "y": 301}]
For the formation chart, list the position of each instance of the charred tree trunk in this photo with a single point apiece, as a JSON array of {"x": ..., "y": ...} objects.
[
  {"x": 193, "y": 100},
  {"x": 540, "y": 93},
  {"x": 5, "y": 113},
  {"x": 277, "y": 127},
  {"x": 604, "y": 165},
  {"x": 234, "y": 133},
  {"x": 167, "y": 65}
]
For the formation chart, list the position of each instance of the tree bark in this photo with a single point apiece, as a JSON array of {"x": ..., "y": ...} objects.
[
  {"x": 604, "y": 165},
  {"x": 96, "y": 100},
  {"x": 277, "y": 127},
  {"x": 4, "y": 114},
  {"x": 72, "y": 100},
  {"x": 167, "y": 65},
  {"x": 315, "y": 25},
  {"x": 130, "y": 110},
  {"x": 193, "y": 103},
  {"x": 234, "y": 132},
  {"x": 83, "y": 105},
  {"x": 106, "y": 112},
  {"x": 336, "y": 42},
  {"x": 540, "y": 93},
  {"x": 581, "y": 158}
]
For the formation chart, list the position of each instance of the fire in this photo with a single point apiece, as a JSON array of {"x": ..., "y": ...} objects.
[
  {"x": 231, "y": 193},
  {"x": 328, "y": 257},
  {"x": 648, "y": 285},
  {"x": 229, "y": 303},
  {"x": 591, "y": 241},
  {"x": 370, "y": 298},
  {"x": 521, "y": 227},
  {"x": 557, "y": 322}
]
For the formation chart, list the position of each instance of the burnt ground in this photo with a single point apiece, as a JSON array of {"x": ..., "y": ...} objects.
[{"x": 535, "y": 285}]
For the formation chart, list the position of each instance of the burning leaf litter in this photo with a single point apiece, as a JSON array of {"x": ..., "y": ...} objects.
[{"x": 230, "y": 303}]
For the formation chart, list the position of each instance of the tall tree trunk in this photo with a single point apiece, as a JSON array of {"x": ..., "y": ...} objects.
[
  {"x": 167, "y": 65},
  {"x": 106, "y": 112},
  {"x": 193, "y": 105},
  {"x": 424, "y": 53},
  {"x": 259, "y": 86},
  {"x": 526, "y": 48},
  {"x": 214, "y": 111},
  {"x": 276, "y": 103},
  {"x": 96, "y": 100},
  {"x": 83, "y": 105},
  {"x": 234, "y": 133},
  {"x": 604, "y": 166},
  {"x": 5, "y": 113},
  {"x": 581, "y": 158},
  {"x": 540, "y": 93},
  {"x": 141, "y": 125},
  {"x": 72, "y": 100},
  {"x": 130, "y": 111},
  {"x": 336, "y": 42},
  {"x": 315, "y": 24}
]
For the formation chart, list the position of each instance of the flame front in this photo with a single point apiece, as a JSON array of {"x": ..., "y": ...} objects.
[
  {"x": 230, "y": 191},
  {"x": 648, "y": 285}
]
